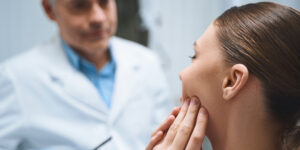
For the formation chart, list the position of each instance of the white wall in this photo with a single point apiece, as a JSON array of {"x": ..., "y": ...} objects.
[
  {"x": 174, "y": 26},
  {"x": 181, "y": 23},
  {"x": 178, "y": 23},
  {"x": 23, "y": 24}
]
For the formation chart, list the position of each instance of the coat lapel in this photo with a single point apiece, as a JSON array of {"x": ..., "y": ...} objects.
[
  {"x": 126, "y": 79},
  {"x": 71, "y": 81}
]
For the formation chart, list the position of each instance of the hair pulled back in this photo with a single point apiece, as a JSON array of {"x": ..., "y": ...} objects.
[{"x": 265, "y": 37}]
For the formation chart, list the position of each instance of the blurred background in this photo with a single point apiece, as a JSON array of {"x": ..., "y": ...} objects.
[{"x": 169, "y": 27}]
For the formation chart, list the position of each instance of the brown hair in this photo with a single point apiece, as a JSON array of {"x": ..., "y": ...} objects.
[{"x": 266, "y": 38}]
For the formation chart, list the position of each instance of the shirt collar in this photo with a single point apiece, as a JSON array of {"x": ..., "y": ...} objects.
[{"x": 81, "y": 64}]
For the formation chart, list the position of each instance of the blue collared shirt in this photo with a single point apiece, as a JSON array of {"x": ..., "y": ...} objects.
[{"x": 103, "y": 80}]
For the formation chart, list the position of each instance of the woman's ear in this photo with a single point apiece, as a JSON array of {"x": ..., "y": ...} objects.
[
  {"x": 234, "y": 81},
  {"x": 49, "y": 9}
]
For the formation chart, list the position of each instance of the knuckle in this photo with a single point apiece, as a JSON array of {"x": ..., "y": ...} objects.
[
  {"x": 172, "y": 147},
  {"x": 174, "y": 127},
  {"x": 193, "y": 111},
  {"x": 155, "y": 148},
  {"x": 152, "y": 140},
  {"x": 172, "y": 131},
  {"x": 197, "y": 138},
  {"x": 185, "y": 129},
  {"x": 158, "y": 147},
  {"x": 201, "y": 120},
  {"x": 153, "y": 133}
]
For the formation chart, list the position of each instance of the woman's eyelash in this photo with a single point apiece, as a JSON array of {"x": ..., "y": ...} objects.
[{"x": 192, "y": 57}]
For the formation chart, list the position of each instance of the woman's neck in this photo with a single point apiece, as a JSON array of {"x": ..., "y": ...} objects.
[
  {"x": 248, "y": 125},
  {"x": 249, "y": 133},
  {"x": 253, "y": 134}
]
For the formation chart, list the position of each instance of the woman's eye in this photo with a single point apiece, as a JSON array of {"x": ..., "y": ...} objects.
[{"x": 192, "y": 57}]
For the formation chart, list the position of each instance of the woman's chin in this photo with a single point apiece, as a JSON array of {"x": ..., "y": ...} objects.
[{"x": 188, "y": 96}]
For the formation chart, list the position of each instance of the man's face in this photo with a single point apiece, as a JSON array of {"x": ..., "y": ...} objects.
[{"x": 86, "y": 25}]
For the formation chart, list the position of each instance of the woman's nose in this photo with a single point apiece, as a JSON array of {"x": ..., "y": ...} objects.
[{"x": 181, "y": 75}]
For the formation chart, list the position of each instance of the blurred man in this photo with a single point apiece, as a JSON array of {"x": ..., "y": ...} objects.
[{"x": 84, "y": 89}]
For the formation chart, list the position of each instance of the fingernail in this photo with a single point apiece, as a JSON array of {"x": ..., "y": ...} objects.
[
  {"x": 202, "y": 111},
  {"x": 195, "y": 101},
  {"x": 159, "y": 133},
  {"x": 181, "y": 100},
  {"x": 187, "y": 101},
  {"x": 174, "y": 109},
  {"x": 171, "y": 117}
]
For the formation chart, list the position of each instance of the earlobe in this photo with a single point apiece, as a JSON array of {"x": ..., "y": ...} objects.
[
  {"x": 48, "y": 8},
  {"x": 234, "y": 81}
]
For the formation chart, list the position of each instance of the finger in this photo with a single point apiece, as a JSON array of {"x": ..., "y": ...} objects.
[
  {"x": 168, "y": 122},
  {"x": 198, "y": 134},
  {"x": 154, "y": 140},
  {"x": 175, "y": 111},
  {"x": 181, "y": 100},
  {"x": 165, "y": 125},
  {"x": 187, "y": 125},
  {"x": 174, "y": 127}
]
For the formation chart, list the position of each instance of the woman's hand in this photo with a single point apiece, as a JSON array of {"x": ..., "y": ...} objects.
[{"x": 187, "y": 131}]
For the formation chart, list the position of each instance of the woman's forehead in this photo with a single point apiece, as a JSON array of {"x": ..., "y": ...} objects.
[{"x": 208, "y": 38}]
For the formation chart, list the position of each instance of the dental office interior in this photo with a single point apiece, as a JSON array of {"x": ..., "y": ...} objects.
[{"x": 168, "y": 27}]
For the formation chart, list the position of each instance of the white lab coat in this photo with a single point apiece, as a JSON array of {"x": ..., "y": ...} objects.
[{"x": 46, "y": 104}]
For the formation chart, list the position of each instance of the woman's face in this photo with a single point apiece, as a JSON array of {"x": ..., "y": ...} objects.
[{"x": 204, "y": 77}]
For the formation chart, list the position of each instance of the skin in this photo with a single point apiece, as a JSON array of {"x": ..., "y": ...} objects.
[
  {"x": 238, "y": 118},
  {"x": 86, "y": 25},
  {"x": 204, "y": 76},
  {"x": 181, "y": 132}
]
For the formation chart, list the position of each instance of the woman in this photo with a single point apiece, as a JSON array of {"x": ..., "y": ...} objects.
[{"x": 246, "y": 73}]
